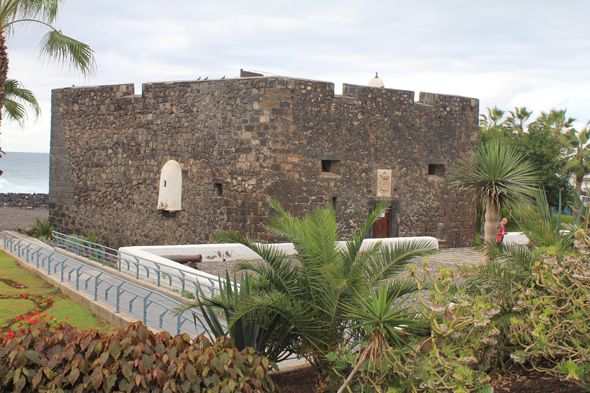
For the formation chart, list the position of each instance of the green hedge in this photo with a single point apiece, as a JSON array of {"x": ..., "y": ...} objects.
[{"x": 68, "y": 359}]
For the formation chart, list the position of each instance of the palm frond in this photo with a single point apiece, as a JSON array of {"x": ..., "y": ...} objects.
[
  {"x": 401, "y": 287},
  {"x": 393, "y": 259},
  {"x": 277, "y": 267},
  {"x": 68, "y": 51},
  {"x": 17, "y": 100},
  {"x": 295, "y": 312}
]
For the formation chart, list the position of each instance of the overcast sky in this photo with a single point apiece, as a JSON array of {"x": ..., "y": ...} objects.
[{"x": 506, "y": 53}]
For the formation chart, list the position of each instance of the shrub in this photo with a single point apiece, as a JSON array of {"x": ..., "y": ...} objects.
[
  {"x": 42, "y": 230},
  {"x": 455, "y": 356},
  {"x": 552, "y": 330},
  {"x": 43, "y": 358}
]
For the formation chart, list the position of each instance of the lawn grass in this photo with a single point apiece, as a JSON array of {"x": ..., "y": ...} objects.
[{"x": 61, "y": 306}]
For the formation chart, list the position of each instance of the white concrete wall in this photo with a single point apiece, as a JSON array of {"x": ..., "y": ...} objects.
[
  {"x": 237, "y": 252},
  {"x": 231, "y": 252}
]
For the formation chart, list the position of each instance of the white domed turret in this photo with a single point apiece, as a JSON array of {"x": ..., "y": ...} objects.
[{"x": 376, "y": 81}]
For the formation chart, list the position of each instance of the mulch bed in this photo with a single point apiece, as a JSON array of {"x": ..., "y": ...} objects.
[
  {"x": 13, "y": 284},
  {"x": 515, "y": 381}
]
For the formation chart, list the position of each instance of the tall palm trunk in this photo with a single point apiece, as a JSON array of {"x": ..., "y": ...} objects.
[
  {"x": 3, "y": 76},
  {"x": 492, "y": 227},
  {"x": 579, "y": 180}
]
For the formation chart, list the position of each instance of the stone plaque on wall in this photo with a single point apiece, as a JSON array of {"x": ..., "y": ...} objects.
[{"x": 384, "y": 183}]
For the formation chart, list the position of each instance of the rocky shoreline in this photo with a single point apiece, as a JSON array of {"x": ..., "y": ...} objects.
[{"x": 29, "y": 201}]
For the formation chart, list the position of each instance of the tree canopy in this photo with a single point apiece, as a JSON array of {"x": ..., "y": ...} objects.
[{"x": 548, "y": 142}]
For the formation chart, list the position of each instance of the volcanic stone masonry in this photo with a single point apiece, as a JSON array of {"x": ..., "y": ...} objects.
[{"x": 242, "y": 142}]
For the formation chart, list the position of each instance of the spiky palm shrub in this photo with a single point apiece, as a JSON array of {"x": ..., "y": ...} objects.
[
  {"x": 313, "y": 292},
  {"x": 268, "y": 336},
  {"x": 498, "y": 175}
]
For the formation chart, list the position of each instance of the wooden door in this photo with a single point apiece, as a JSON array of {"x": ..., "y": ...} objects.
[{"x": 381, "y": 227}]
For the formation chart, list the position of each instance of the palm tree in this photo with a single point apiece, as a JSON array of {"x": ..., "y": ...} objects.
[
  {"x": 498, "y": 175},
  {"x": 314, "y": 294},
  {"x": 515, "y": 122},
  {"x": 577, "y": 155},
  {"x": 556, "y": 120},
  {"x": 18, "y": 100},
  {"x": 55, "y": 45},
  {"x": 492, "y": 120}
]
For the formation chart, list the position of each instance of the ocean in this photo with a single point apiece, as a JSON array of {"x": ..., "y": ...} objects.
[{"x": 24, "y": 173}]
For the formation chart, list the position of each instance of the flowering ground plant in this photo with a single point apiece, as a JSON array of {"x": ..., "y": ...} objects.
[{"x": 39, "y": 299}]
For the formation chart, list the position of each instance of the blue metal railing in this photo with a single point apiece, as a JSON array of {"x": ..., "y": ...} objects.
[
  {"x": 152, "y": 308},
  {"x": 159, "y": 274}
]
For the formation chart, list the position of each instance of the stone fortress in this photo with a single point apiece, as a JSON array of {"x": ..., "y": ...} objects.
[{"x": 237, "y": 143}]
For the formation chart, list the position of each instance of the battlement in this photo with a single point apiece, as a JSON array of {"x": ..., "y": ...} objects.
[{"x": 351, "y": 94}]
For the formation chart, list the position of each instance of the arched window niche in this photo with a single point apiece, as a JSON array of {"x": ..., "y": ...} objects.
[{"x": 170, "y": 196}]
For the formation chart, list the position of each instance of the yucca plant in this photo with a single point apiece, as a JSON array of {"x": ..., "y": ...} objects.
[
  {"x": 498, "y": 175},
  {"x": 313, "y": 293}
]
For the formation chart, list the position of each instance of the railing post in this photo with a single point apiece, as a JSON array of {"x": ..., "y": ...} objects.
[
  {"x": 145, "y": 299},
  {"x": 78, "y": 278},
  {"x": 118, "y": 296},
  {"x": 96, "y": 288},
  {"x": 178, "y": 323},
  {"x": 158, "y": 274},
  {"x": 62, "y": 270},
  {"x": 183, "y": 280}
]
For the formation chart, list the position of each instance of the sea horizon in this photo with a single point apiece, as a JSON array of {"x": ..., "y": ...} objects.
[{"x": 24, "y": 172}]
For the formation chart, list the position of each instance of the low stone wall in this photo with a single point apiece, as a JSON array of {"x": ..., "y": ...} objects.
[{"x": 24, "y": 200}]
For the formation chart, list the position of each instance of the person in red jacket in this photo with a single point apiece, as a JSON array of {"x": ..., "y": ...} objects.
[{"x": 501, "y": 234}]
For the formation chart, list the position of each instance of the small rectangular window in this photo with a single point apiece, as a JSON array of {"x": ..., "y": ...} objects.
[
  {"x": 436, "y": 170},
  {"x": 331, "y": 166},
  {"x": 218, "y": 189}
]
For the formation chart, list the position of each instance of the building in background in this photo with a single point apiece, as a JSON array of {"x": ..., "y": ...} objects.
[{"x": 241, "y": 142}]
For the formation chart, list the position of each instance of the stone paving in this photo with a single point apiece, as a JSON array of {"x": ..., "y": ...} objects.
[
  {"x": 448, "y": 258},
  {"x": 456, "y": 257}
]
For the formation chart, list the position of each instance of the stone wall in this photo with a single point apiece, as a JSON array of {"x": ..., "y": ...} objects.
[
  {"x": 241, "y": 142},
  {"x": 24, "y": 200}
]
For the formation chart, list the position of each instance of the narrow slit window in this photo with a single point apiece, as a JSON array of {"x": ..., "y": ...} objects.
[{"x": 218, "y": 189}]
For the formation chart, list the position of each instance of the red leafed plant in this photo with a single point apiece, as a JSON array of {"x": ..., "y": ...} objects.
[{"x": 43, "y": 358}]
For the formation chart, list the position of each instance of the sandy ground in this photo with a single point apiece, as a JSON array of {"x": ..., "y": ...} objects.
[{"x": 13, "y": 218}]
